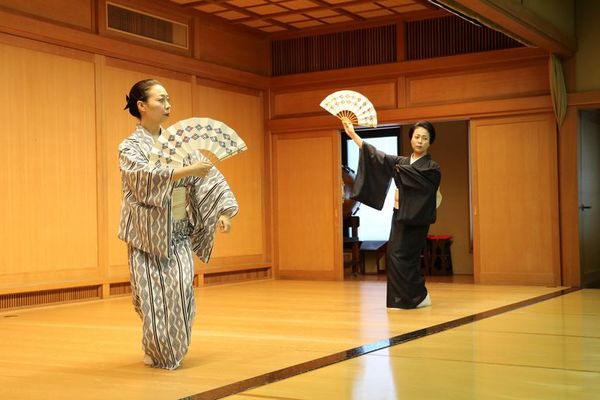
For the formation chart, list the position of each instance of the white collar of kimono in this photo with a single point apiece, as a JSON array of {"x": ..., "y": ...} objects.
[
  {"x": 413, "y": 159},
  {"x": 144, "y": 134}
]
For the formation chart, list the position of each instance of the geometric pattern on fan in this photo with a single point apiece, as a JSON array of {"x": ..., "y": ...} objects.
[
  {"x": 351, "y": 106},
  {"x": 186, "y": 136}
]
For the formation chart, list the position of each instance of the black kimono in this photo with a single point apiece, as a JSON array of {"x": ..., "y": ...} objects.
[{"x": 417, "y": 185}]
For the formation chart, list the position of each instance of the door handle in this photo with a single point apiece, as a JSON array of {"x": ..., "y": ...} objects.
[{"x": 584, "y": 207}]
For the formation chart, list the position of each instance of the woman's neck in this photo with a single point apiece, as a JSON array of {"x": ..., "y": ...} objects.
[
  {"x": 154, "y": 129},
  {"x": 416, "y": 156}
]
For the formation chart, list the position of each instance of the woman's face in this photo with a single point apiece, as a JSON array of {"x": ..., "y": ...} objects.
[
  {"x": 156, "y": 108},
  {"x": 420, "y": 141}
]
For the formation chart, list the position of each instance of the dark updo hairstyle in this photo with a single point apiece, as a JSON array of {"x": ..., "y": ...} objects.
[
  {"x": 427, "y": 126},
  {"x": 138, "y": 92}
]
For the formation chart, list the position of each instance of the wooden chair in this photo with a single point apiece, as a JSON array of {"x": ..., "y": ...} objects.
[{"x": 352, "y": 242}]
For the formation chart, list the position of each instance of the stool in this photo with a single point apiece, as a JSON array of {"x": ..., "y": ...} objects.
[{"x": 439, "y": 254}]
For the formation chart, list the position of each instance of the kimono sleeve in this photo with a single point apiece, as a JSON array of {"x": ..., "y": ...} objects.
[
  {"x": 417, "y": 186},
  {"x": 210, "y": 198},
  {"x": 418, "y": 179},
  {"x": 148, "y": 184},
  {"x": 375, "y": 172}
]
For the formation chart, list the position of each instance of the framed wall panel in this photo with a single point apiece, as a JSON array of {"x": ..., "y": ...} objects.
[
  {"x": 76, "y": 13},
  {"x": 243, "y": 111},
  {"x": 306, "y": 100},
  {"x": 48, "y": 170},
  {"x": 523, "y": 80},
  {"x": 515, "y": 200},
  {"x": 307, "y": 207}
]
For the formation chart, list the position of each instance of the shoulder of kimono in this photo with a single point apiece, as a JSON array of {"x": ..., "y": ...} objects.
[
  {"x": 433, "y": 164},
  {"x": 402, "y": 160},
  {"x": 132, "y": 141}
]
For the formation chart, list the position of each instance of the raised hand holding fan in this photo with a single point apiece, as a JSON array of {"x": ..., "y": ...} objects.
[
  {"x": 351, "y": 106},
  {"x": 186, "y": 136}
]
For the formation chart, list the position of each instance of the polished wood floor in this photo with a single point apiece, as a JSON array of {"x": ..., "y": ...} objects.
[{"x": 263, "y": 331}]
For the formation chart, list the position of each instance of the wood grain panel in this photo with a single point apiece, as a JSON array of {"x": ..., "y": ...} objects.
[
  {"x": 493, "y": 59},
  {"x": 307, "y": 189},
  {"x": 535, "y": 352},
  {"x": 466, "y": 110},
  {"x": 232, "y": 48},
  {"x": 48, "y": 169},
  {"x": 78, "y": 13},
  {"x": 525, "y": 80},
  {"x": 382, "y": 95},
  {"x": 117, "y": 125},
  {"x": 515, "y": 200},
  {"x": 280, "y": 328},
  {"x": 589, "y": 99},
  {"x": 569, "y": 199},
  {"x": 36, "y": 29},
  {"x": 245, "y": 172}
]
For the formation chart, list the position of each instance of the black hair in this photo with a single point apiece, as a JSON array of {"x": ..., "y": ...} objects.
[
  {"x": 138, "y": 92},
  {"x": 425, "y": 125}
]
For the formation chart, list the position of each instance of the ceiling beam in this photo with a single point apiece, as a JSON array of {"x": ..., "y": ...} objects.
[{"x": 518, "y": 21}]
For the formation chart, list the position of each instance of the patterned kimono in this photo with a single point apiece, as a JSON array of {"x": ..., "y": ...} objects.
[
  {"x": 160, "y": 248},
  {"x": 417, "y": 185}
]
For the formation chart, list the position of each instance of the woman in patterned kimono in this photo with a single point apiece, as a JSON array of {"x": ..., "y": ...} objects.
[
  {"x": 417, "y": 179},
  {"x": 166, "y": 214}
]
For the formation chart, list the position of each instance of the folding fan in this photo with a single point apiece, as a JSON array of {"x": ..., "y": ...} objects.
[
  {"x": 181, "y": 139},
  {"x": 351, "y": 106}
]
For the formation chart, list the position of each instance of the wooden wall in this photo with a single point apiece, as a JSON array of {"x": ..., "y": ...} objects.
[
  {"x": 79, "y": 14},
  {"x": 308, "y": 200},
  {"x": 515, "y": 197},
  {"x": 509, "y": 84},
  {"x": 245, "y": 247},
  {"x": 246, "y": 173},
  {"x": 48, "y": 172},
  {"x": 210, "y": 39},
  {"x": 64, "y": 88},
  {"x": 63, "y": 111}
]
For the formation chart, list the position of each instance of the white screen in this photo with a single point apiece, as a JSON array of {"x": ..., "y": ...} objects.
[{"x": 375, "y": 224}]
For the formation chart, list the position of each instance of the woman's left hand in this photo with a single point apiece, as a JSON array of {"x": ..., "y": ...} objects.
[{"x": 224, "y": 224}]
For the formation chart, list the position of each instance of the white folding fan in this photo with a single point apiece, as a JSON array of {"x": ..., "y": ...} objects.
[
  {"x": 186, "y": 136},
  {"x": 352, "y": 106}
]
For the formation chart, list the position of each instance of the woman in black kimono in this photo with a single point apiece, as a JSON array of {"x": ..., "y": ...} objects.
[{"x": 417, "y": 179}]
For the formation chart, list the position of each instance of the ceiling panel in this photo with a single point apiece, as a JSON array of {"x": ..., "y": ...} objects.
[{"x": 270, "y": 16}]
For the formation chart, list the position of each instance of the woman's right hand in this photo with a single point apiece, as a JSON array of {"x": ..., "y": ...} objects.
[{"x": 199, "y": 169}]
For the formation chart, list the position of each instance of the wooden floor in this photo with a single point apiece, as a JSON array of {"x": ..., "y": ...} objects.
[{"x": 263, "y": 331}]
